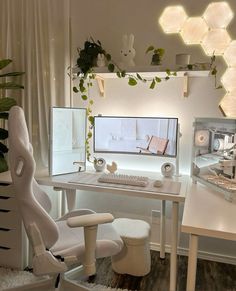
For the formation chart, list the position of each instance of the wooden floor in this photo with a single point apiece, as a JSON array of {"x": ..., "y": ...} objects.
[{"x": 211, "y": 276}]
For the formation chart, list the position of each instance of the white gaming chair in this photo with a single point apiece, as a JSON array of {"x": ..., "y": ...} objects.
[{"x": 79, "y": 237}]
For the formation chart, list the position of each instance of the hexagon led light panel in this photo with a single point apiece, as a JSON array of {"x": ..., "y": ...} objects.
[
  {"x": 172, "y": 19},
  {"x": 210, "y": 32},
  {"x": 229, "y": 79},
  {"x": 218, "y": 15},
  {"x": 230, "y": 54},
  {"x": 215, "y": 42},
  {"x": 228, "y": 104},
  {"x": 193, "y": 30}
]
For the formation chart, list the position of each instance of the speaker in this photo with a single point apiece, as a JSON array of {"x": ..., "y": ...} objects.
[
  {"x": 99, "y": 164},
  {"x": 167, "y": 169}
]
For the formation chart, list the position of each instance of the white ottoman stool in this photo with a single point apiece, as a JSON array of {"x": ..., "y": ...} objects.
[{"x": 134, "y": 259}]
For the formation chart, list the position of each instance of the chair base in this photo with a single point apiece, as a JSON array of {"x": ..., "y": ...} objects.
[{"x": 71, "y": 280}]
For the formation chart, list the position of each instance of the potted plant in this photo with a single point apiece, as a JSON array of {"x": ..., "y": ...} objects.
[
  {"x": 88, "y": 56},
  {"x": 5, "y": 104},
  {"x": 157, "y": 55}
]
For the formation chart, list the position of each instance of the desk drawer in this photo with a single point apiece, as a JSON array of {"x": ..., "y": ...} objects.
[
  {"x": 9, "y": 219},
  {"x": 10, "y": 258},
  {"x": 7, "y": 191},
  {"x": 8, "y": 203},
  {"x": 10, "y": 238}
]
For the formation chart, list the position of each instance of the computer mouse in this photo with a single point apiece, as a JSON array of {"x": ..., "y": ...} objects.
[{"x": 157, "y": 183}]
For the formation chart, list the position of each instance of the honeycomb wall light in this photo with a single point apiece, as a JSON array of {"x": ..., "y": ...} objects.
[
  {"x": 210, "y": 32},
  {"x": 193, "y": 30}
]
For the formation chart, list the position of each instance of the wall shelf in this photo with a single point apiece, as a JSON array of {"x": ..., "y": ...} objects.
[{"x": 148, "y": 73}]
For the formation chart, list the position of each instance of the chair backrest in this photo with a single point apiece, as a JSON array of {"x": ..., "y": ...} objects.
[
  {"x": 158, "y": 145},
  {"x": 31, "y": 199}
]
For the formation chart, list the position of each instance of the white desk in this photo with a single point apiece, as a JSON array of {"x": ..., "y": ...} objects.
[
  {"x": 62, "y": 182},
  {"x": 206, "y": 213}
]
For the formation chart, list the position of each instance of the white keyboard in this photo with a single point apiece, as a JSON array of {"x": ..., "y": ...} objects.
[{"x": 123, "y": 179}]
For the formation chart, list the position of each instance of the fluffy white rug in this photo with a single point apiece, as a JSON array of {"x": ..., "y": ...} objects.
[{"x": 13, "y": 278}]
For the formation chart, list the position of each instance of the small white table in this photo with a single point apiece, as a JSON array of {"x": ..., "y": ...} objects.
[
  {"x": 206, "y": 213},
  {"x": 63, "y": 182}
]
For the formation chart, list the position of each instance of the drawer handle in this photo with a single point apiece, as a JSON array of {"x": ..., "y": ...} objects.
[
  {"x": 5, "y": 210},
  {"x": 4, "y": 248},
  {"x": 4, "y": 229},
  {"x": 4, "y": 197}
]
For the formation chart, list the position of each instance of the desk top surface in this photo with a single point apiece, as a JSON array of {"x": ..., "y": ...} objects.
[
  {"x": 173, "y": 189},
  {"x": 207, "y": 213}
]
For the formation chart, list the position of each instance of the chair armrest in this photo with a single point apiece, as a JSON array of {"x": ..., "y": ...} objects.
[
  {"x": 76, "y": 212},
  {"x": 89, "y": 219},
  {"x": 90, "y": 223}
]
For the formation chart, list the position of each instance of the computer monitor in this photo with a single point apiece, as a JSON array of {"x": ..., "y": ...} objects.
[
  {"x": 67, "y": 140},
  {"x": 136, "y": 135}
]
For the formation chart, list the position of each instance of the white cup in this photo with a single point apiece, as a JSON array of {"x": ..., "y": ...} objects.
[{"x": 182, "y": 59}]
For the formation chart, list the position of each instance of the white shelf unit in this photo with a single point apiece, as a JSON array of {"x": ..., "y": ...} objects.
[
  {"x": 148, "y": 73},
  {"x": 13, "y": 243}
]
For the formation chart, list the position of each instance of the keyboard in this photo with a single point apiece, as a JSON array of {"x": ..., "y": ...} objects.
[{"x": 123, "y": 179}]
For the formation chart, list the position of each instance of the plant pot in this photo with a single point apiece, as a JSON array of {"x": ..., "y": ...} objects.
[{"x": 156, "y": 60}]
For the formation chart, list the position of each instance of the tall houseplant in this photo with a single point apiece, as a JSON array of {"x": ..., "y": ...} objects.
[{"x": 5, "y": 104}]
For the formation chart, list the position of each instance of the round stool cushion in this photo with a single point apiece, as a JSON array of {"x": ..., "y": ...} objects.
[{"x": 132, "y": 231}]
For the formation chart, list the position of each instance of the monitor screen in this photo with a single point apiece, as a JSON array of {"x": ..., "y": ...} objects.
[
  {"x": 136, "y": 135},
  {"x": 67, "y": 140}
]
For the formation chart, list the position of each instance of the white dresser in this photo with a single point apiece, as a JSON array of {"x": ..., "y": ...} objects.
[{"x": 13, "y": 243}]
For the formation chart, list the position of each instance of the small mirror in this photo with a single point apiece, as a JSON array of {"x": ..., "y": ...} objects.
[{"x": 67, "y": 140}]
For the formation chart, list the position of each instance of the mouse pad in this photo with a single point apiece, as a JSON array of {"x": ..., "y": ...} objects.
[{"x": 168, "y": 187}]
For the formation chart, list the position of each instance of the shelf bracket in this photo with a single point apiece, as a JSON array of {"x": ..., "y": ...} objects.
[
  {"x": 185, "y": 85},
  {"x": 100, "y": 82}
]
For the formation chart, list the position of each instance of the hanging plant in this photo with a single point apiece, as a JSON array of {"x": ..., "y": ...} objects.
[{"x": 5, "y": 104}]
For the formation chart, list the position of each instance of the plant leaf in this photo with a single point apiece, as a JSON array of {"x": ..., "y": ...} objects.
[
  {"x": 153, "y": 84},
  {"x": 3, "y": 165},
  {"x": 84, "y": 97},
  {"x": 4, "y": 115},
  {"x": 139, "y": 77},
  {"x": 4, "y": 63},
  {"x": 6, "y": 103},
  {"x": 89, "y": 135},
  {"x": 12, "y": 74},
  {"x": 3, "y": 133},
  {"x": 168, "y": 72},
  {"x": 149, "y": 49},
  {"x": 111, "y": 68},
  {"x": 158, "y": 80},
  {"x": 132, "y": 81},
  {"x": 3, "y": 148},
  {"x": 118, "y": 74},
  {"x": 75, "y": 89},
  {"x": 108, "y": 57},
  {"x": 91, "y": 120},
  {"x": 10, "y": 85},
  {"x": 123, "y": 74}
]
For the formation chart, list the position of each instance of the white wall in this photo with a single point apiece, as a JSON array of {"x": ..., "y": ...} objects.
[{"x": 108, "y": 20}]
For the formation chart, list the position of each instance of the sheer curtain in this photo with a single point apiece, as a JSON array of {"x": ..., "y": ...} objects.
[{"x": 35, "y": 34}]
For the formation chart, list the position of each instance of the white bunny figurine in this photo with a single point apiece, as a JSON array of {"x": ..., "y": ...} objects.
[
  {"x": 127, "y": 51},
  {"x": 101, "y": 60}
]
